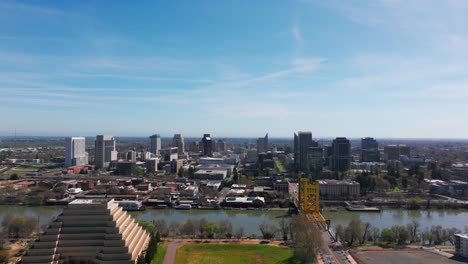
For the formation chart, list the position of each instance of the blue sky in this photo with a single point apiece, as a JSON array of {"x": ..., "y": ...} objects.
[{"x": 382, "y": 68}]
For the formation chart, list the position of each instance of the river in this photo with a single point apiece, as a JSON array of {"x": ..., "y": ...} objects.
[{"x": 251, "y": 219}]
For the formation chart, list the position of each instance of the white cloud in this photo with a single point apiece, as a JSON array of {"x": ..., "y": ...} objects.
[{"x": 296, "y": 31}]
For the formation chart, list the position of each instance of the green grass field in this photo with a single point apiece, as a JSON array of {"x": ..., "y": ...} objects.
[
  {"x": 233, "y": 254},
  {"x": 19, "y": 171},
  {"x": 160, "y": 253}
]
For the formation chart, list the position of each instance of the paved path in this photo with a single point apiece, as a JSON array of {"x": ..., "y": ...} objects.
[{"x": 171, "y": 251}]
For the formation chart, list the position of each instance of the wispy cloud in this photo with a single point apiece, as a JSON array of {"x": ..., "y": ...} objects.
[
  {"x": 14, "y": 7},
  {"x": 296, "y": 31}
]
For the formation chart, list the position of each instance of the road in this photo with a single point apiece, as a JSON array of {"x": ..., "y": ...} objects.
[
  {"x": 331, "y": 253},
  {"x": 171, "y": 251}
]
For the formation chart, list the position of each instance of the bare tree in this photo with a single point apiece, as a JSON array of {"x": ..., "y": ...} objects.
[
  {"x": 340, "y": 232},
  {"x": 268, "y": 230},
  {"x": 401, "y": 234},
  {"x": 224, "y": 228},
  {"x": 188, "y": 228},
  {"x": 174, "y": 228},
  {"x": 375, "y": 234},
  {"x": 284, "y": 227},
  {"x": 353, "y": 232},
  {"x": 162, "y": 228},
  {"x": 413, "y": 230},
  {"x": 451, "y": 234},
  {"x": 239, "y": 233},
  {"x": 7, "y": 218},
  {"x": 307, "y": 238},
  {"x": 365, "y": 232}
]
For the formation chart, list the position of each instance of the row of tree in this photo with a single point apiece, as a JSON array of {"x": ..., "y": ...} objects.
[
  {"x": 19, "y": 226},
  {"x": 358, "y": 233},
  {"x": 147, "y": 256},
  {"x": 305, "y": 237}
]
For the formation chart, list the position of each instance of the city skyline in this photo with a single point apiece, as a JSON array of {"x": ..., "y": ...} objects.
[{"x": 387, "y": 69}]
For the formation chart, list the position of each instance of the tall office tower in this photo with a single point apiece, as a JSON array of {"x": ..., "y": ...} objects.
[
  {"x": 262, "y": 143},
  {"x": 155, "y": 144},
  {"x": 207, "y": 143},
  {"x": 131, "y": 155},
  {"x": 314, "y": 166},
  {"x": 327, "y": 155},
  {"x": 220, "y": 146},
  {"x": 178, "y": 142},
  {"x": 296, "y": 152},
  {"x": 404, "y": 150},
  {"x": 304, "y": 142},
  {"x": 75, "y": 151},
  {"x": 104, "y": 150},
  {"x": 369, "y": 150},
  {"x": 194, "y": 147},
  {"x": 341, "y": 157},
  {"x": 393, "y": 152}
]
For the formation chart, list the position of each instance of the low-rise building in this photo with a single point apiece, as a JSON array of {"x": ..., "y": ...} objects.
[
  {"x": 190, "y": 192},
  {"x": 461, "y": 245},
  {"x": 334, "y": 189},
  {"x": 210, "y": 175}
]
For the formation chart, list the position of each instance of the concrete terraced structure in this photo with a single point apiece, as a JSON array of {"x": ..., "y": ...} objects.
[{"x": 90, "y": 231}]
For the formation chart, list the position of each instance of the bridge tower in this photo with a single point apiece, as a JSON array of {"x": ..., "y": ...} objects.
[{"x": 309, "y": 189}]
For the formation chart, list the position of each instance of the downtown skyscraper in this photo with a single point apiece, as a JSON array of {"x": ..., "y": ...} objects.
[
  {"x": 75, "y": 151},
  {"x": 104, "y": 150}
]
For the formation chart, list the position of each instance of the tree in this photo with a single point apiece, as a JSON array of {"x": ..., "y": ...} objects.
[
  {"x": 268, "y": 230},
  {"x": 22, "y": 226},
  {"x": 162, "y": 228},
  {"x": 191, "y": 172},
  {"x": 14, "y": 176},
  {"x": 148, "y": 226},
  {"x": 181, "y": 172},
  {"x": 174, "y": 228},
  {"x": 427, "y": 236},
  {"x": 7, "y": 218},
  {"x": 353, "y": 232},
  {"x": 401, "y": 234},
  {"x": 152, "y": 247},
  {"x": 413, "y": 230},
  {"x": 413, "y": 203},
  {"x": 387, "y": 236},
  {"x": 307, "y": 239},
  {"x": 375, "y": 234},
  {"x": 284, "y": 227},
  {"x": 210, "y": 229},
  {"x": 340, "y": 232},
  {"x": 224, "y": 228},
  {"x": 235, "y": 176},
  {"x": 365, "y": 232},
  {"x": 239, "y": 232},
  {"x": 188, "y": 228}
]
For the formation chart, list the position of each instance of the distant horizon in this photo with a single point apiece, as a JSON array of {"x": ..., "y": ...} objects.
[{"x": 230, "y": 137}]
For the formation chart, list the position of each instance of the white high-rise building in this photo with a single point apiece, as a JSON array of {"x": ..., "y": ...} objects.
[
  {"x": 75, "y": 151},
  {"x": 104, "y": 150}
]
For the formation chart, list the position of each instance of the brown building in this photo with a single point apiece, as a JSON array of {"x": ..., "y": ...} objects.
[{"x": 90, "y": 231}]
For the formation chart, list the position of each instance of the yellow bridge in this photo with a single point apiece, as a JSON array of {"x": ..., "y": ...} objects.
[{"x": 307, "y": 200}]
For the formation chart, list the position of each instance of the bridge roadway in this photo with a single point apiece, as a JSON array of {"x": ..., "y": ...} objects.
[{"x": 331, "y": 252}]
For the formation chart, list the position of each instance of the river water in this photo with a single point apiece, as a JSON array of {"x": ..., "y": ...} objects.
[{"x": 251, "y": 219}]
